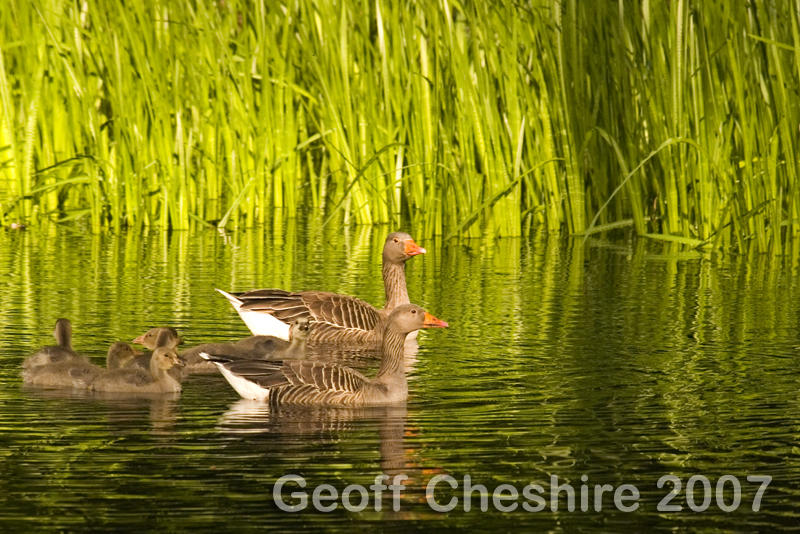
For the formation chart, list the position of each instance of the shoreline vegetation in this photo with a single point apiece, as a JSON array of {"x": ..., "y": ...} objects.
[{"x": 679, "y": 120}]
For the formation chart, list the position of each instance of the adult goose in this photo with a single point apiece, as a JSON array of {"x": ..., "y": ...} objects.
[
  {"x": 336, "y": 318},
  {"x": 60, "y": 352},
  {"x": 254, "y": 347},
  {"x": 306, "y": 382},
  {"x": 136, "y": 380},
  {"x": 76, "y": 373}
]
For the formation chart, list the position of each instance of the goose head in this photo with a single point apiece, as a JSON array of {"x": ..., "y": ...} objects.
[
  {"x": 63, "y": 333},
  {"x": 299, "y": 329},
  {"x": 119, "y": 354},
  {"x": 159, "y": 337},
  {"x": 410, "y": 317},
  {"x": 399, "y": 247},
  {"x": 165, "y": 358}
]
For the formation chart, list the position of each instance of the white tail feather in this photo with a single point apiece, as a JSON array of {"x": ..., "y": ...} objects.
[
  {"x": 245, "y": 388},
  {"x": 234, "y": 301},
  {"x": 260, "y": 323}
]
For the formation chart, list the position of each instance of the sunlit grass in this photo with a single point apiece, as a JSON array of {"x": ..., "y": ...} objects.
[{"x": 677, "y": 119}]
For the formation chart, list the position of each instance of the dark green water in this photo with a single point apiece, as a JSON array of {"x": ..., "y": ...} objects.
[{"x": 622, "y": 363}]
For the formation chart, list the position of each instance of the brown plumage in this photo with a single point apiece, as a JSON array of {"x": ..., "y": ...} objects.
[
  {"x": 119, "y": 355},
  {"x": 335, "y": 318},
  {"x": 162, "y": 336},
  {"x": 60, "y": 352},
  {"x": 74, "y": 373},
  {"x": 253, "y": 347},
  {"x": 307, "y": 382},
  {"x": 136, "y": 380}
]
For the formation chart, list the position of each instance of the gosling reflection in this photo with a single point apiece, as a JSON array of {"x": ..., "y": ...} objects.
[
  {"x": 126, "y": 410},
  {"x": 123, "y": 412}
]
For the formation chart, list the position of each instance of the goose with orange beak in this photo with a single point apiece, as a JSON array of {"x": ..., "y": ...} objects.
[
  {"x": 314, "y": 383},
  {"x": 337, "y": 319}
]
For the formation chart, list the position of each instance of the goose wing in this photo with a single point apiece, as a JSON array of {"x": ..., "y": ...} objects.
[
  {"x": 323, "y": 377},
  {"x": 328, "y": 310},
  {"x": 125, "y": 377}
]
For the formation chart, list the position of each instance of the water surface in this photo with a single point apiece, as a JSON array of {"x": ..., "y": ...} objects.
[{"x": 617, "y": 361}]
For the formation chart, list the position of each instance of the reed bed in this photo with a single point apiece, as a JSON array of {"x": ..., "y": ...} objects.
[{"x": 679, "y": 120}]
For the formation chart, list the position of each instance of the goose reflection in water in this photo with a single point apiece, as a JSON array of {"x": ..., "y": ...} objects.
[
  {"x": 125, "y": 408},
  {"x": 325, "y": 425},
  {"x": 123, "y": 412}
]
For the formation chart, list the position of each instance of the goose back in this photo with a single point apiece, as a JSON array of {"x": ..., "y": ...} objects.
[
  {"x": 60, "y": 352},
  {"x": 253, "y": 347},
  {"x": 137, "y": 380},
  {"x": 335, "y": 318},
  {"x": 298, "y": 382},
  {"x": 74, "y": 373}
]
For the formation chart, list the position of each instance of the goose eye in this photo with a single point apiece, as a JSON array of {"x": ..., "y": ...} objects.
[
  {"x": 395, "y": 240},
  {"x": 413, "y": 311}
]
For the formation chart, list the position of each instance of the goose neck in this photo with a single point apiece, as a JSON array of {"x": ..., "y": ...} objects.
[
  {"x": 156, "y": 370},
  {"x": 394, "y": 282},
  {"x": 63, "y": 336},
  {"x": 393, "y": 347}
]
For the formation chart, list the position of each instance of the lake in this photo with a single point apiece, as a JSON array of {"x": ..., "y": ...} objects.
[{"x": 568, "y": 366}]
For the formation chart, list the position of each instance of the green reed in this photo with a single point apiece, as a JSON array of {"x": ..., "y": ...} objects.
[{"x": 677, "y": 119}]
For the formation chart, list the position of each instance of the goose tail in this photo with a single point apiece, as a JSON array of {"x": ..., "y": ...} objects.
[
  {"x": 213, "y": 358},
  {"x": 260, "y": 323},
  {"x": 234, "y": 300},
  {"x": 245, "y": 388}
]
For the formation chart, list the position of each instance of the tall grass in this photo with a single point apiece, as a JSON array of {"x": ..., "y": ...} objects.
[{"x": 677, "y": 119}]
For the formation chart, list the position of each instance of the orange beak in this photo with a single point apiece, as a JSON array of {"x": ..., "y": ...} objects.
[
  {"x": 139, "y": 340},
  {"x": 412, "y": 249},
  {"x": 433, "y": 322}
]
